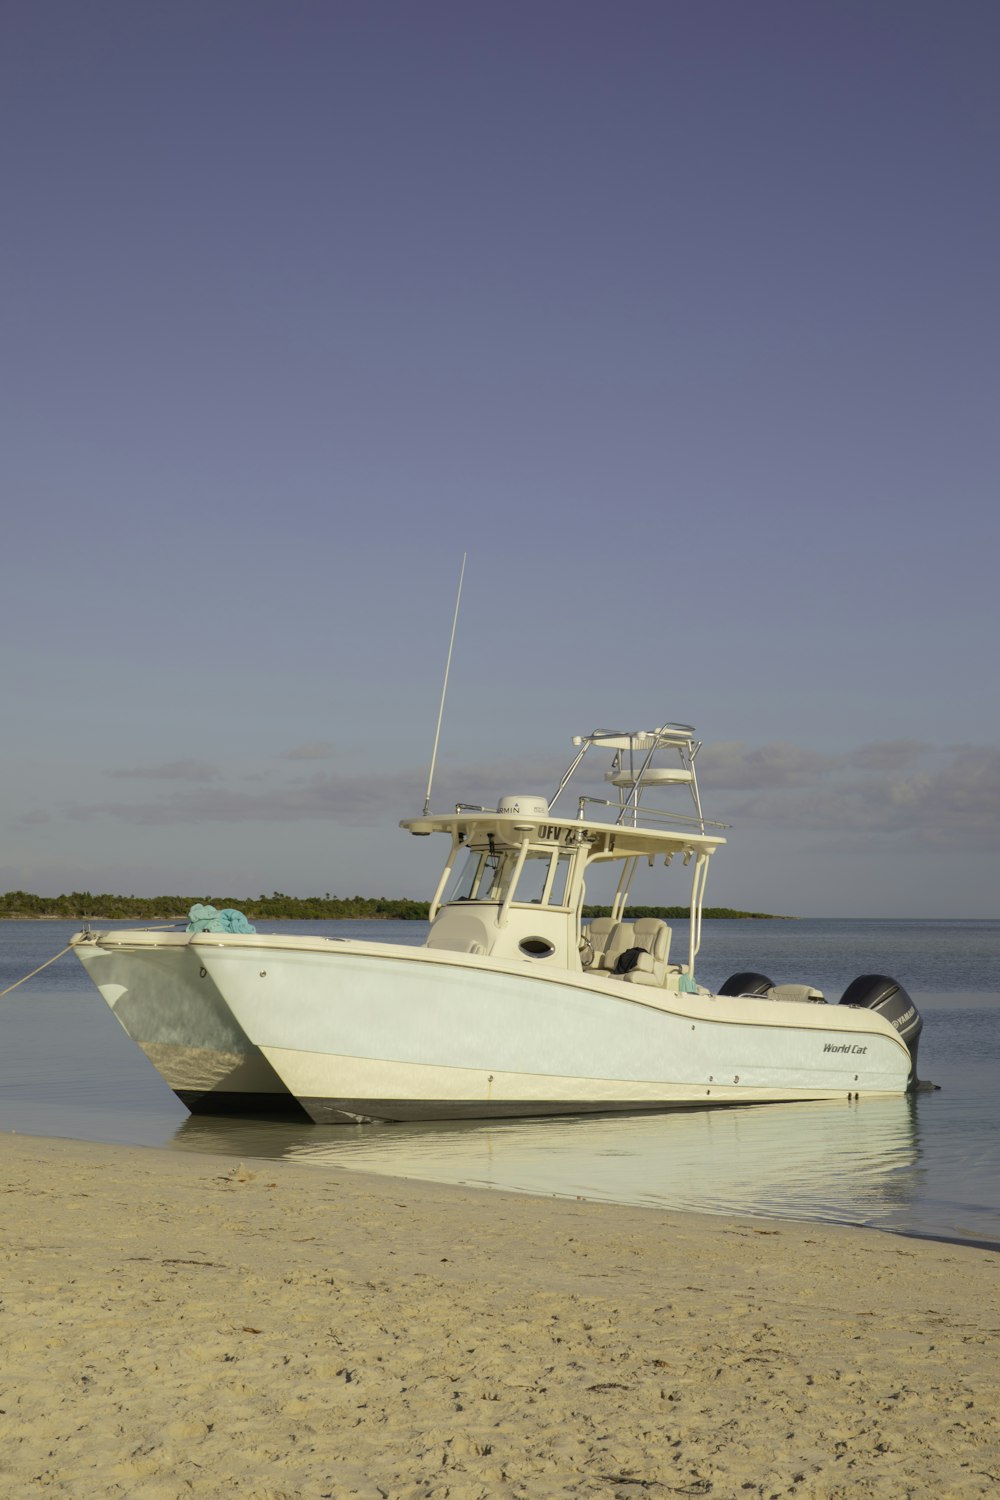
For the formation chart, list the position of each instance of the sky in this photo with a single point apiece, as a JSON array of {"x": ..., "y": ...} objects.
[{"x": 680, "y": 319}]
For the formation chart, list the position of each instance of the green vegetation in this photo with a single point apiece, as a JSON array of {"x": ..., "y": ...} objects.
[
  {"x": 81, "y": 904},
  {"x": 673, "y": 913}
]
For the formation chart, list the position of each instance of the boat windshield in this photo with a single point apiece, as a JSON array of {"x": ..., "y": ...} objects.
[
  {"x": 486, "y": 876},
  {"x": 535, "y": 887}
]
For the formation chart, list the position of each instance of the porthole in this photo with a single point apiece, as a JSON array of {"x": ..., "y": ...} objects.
[{"x": 536, "y": 947}]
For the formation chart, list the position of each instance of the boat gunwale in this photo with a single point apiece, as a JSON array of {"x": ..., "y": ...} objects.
[
  {"x": 742, "y": 1010},
  {"x": 799, "y": 1015}
]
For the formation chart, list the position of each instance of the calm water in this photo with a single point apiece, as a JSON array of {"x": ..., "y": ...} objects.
[{"x": 925, "y": 1165}]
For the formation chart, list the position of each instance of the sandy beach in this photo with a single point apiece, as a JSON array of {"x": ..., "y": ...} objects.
[{"x": 176, "y": 1325}]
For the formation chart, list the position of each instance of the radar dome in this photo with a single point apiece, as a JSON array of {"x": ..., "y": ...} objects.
[{"x": 525, "y": 805}]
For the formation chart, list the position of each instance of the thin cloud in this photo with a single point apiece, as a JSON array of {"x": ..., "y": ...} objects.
[
  {"x": 949, "y": 801},
  {"x": 899, "y": 794},
  {"x": 338, "y": 798},
  {"x": 316, "y": 750},
  {"x": 31, "y": 819},
  {"x": 487, "y": 782},
  {"x": 887, "y": 755},
  {"x": 735, "y": 767},
  {"x": 171, "y": 770}
]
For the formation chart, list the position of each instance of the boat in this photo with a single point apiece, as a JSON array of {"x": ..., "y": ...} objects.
[
  {"x": 160, "y": 992},
  {"x": 515, "y": 1004}
]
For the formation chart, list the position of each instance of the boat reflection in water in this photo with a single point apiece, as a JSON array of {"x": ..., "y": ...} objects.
[{"x": 837, "y": 1161}]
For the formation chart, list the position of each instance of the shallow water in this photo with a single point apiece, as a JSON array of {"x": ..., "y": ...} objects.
[{"x": 924, "y": 1165}]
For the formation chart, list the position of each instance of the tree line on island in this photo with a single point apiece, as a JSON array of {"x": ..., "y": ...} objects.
[{"x": 80, "y": 905}]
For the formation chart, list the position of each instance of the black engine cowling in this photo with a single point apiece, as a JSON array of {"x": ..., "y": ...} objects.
[
  {"x": 880, "y": 993},
  {"x": 746, "y": 984}
]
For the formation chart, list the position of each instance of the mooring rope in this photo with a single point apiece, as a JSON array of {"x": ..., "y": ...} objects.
[
  {"x": 162, "y": 926},
  {"x": 35, "y": 971}
]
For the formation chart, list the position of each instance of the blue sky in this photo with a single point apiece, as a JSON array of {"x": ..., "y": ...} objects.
[{"x": 681, "y": 319}]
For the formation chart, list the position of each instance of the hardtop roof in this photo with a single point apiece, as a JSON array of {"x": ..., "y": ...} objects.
[{"x": 604, "y": 838}]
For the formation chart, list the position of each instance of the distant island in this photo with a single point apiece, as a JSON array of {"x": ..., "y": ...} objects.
[{"x": 79, "y": 905}]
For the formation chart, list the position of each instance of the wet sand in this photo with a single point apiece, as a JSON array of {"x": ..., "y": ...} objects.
[{"x": 172, "y": 1325}]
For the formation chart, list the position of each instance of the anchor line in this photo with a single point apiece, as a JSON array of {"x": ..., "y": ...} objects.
[{"x": 35, "y": 971}]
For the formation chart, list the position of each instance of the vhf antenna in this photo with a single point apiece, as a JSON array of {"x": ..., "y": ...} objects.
[{"x": 444, "y": 689}]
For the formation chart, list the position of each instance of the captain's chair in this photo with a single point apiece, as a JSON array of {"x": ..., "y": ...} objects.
[
  {"x": 652, "y": 935},
  {"x": 597, "y": 933},
  {"x": 621, "y": 936}
]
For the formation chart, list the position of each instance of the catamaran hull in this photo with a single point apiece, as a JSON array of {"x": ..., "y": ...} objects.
[
  {"x": 159, "y": 991},
  {"x": 361, "y": 1031}
]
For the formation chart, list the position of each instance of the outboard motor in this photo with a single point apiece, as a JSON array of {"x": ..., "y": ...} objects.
[
  {"x": 880, "y": 993},
  {"x": 753, "y": 985}
]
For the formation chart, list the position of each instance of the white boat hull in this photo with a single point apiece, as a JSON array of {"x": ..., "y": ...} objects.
[
  {"x": 159, "y": 991},
  {"x": 369, "y": 1031}
]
